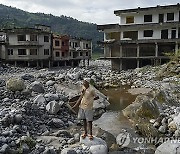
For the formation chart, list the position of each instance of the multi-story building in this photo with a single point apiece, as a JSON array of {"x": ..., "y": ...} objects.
[
  {"x": 80, "y": 49},
  {"x": 143, "y": 36},
  {"x": 60, "y": 53},
  {"x": 31, "y": 46},
  {"x": 39, "y": 47}
]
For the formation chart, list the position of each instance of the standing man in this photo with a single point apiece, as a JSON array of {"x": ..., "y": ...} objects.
[{"x": 85, "y": 103}]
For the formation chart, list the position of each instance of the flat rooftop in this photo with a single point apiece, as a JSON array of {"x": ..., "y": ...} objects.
[{"x": 139, "y": 9}]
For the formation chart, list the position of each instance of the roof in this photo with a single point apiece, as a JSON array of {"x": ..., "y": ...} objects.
[
  {"x": 25, "y": 30},
  {"x": 118, "y": 12},
  {"x": 138, "y": 26}
]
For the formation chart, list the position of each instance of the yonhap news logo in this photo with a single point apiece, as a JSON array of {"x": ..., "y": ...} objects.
[{"x": 125, "y": 138}]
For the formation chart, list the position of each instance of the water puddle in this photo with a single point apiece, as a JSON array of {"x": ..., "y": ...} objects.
[{"x": 113, "y": 120}]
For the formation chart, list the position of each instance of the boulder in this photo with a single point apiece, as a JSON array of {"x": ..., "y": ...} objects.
[
  {"x": 37, "y": 87},
  {"x": 68, "y": 151},
  {"x": 143, "y": 106},
  {"x": 2, "y": 82},
  {"x": 172, "y": 126},
  {"x": 51, "y": 97},
  {"x": 57, "y": 123},
  {"x": 177, "y": 121},
  {"x": 169, "y": 147},
  {"x": 96, "y": 146},
  {"x": 15, "y": 84},
  {"x": 53, "y": 107},
  {"x": 50, "y": 83},
  {"x": 39, "y": 99},
  {"x": 27, "y": 77}
]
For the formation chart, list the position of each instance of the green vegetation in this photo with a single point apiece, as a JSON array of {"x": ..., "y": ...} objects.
[
  {"x": 13, "y": 17},
  {"x": 29, "y": 141}
]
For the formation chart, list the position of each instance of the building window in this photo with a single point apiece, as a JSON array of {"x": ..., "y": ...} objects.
[
  {"x": 63, "y": 43},
  {"x": 57, "y": 54},
  {"x": 21, "y": 37},
  {"x": 161, "y": 18},
  {"x": 21, "y": 51},
  {"x": 57, "y": 43},
  {"x": 148, "y": 33},
  {"x": 164, "y": 34},
  {"x": 170, "y": 16},
  {"x": 62, "y": 54},
  {"x": 81, "y": 53},
  {"x": 33, "y": 51},
  {"x": 33, "y": 37},
  {"x": 87, "y": 54},
  {"x": 46, "y": 38},
  {"x": 46, "y": 51},
  {"x": 10, "y": 51},
  {"x": 173, "y": 33},
  {"x": 129, "y": 19},
  {"x": 70, "y": 54},
  {"x": 147, "y": 18},
  {"x": 87, "y": 46},
  {"x": 76, "y": 45}
]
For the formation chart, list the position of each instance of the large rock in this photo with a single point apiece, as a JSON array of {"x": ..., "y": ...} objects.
[
  {"x": 144, "y": 107},
  {"x": 40, "y": 100},
  {"x": 37, "y": 87},
  {"x": 169, "y": 147},
  {"x": 15, "y": 84},
  {"x": 177, "y": 121},
  {"x": 51, "y": 97},
  {"x": 96, "y": 146},
  {"x": 53, "y": 107},
  {"x": 57, "y": 123},
  {"x": 68, "y": 151}
]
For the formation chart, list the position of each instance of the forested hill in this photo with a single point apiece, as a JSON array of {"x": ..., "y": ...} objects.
[{"x": 13, "y": 17}]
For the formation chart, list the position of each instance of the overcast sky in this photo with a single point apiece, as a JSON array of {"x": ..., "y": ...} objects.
[{"x": 95, "y": 11}]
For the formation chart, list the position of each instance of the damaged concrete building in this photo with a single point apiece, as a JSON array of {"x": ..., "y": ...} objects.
[
  {"x": 27, "y": 46},
  {"x": 39, "y": 47},
  {"x": 80, "y": 49},
  {"x": 143, "y": 36},
  {"x": 60, "y": 53}
]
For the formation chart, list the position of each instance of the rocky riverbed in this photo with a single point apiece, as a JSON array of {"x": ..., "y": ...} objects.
[{"x": 35, "y": 117}]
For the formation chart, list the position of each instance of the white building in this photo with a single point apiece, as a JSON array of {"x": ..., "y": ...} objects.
[
  {"x": 27, "y": 45},
  {"x": 142, "y": 36}
]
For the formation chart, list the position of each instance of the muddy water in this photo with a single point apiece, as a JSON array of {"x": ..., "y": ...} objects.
[{"x": 113, "y": 120}]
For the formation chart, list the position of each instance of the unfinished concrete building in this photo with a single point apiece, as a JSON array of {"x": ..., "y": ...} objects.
[
  {"x": 27, "y": 46},
  {"x": 80, "y": 49},
  {"x": 143, "y": 36}
]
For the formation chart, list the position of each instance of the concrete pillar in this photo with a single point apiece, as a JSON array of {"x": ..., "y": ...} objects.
[
  {"x": 15, "y": 63},
  {"x": 121, "y": 51},
  {"x": 120, "y": 64},
  {"x": 176, "y": 48},
  {"x": 156, "y": 50},
  {"x": 42, "y": 64},
  {"x": 28, "y": 64},
  {"x": 137, "y": 50},
  {"x": 37, "y": 64},
  {"x": 110, "y": 51},
  {"x": 65, "y": 63},
  {"x": 138, "y": 63},
  {"x": 72, "y": 63},
  {"x": 58, "y": 63},
  {"x": 49, "y": 64},
  {"x": 88, "y": 62}
]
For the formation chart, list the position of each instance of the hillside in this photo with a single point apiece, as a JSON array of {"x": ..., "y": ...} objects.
[{"x": 11, "y": 17}]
